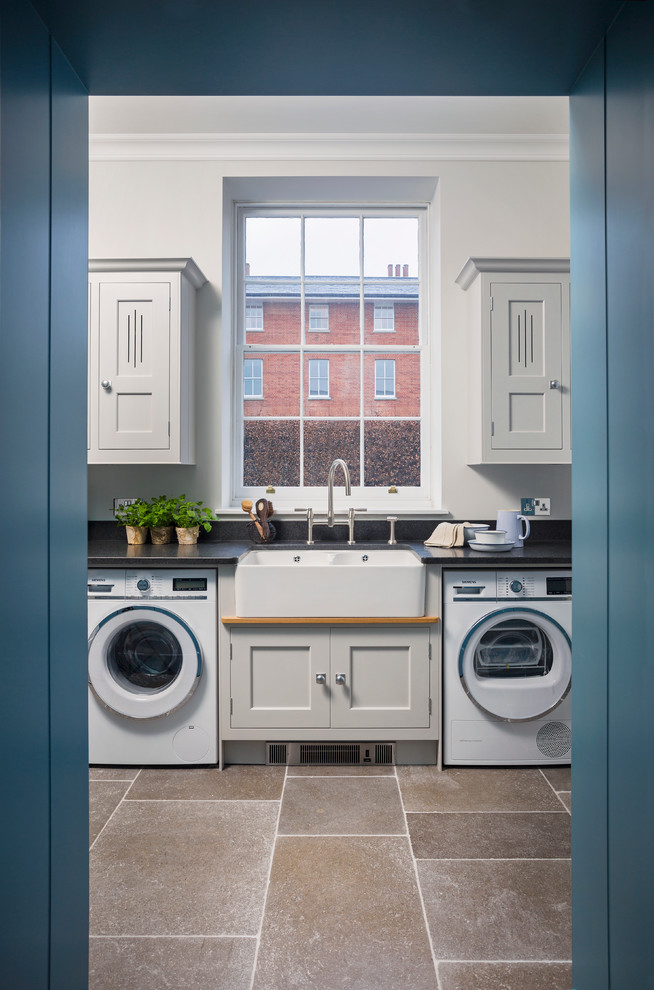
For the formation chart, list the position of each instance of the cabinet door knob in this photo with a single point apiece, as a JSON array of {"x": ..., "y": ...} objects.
[
  {"x": 340, "y": 678},
  {"x": 321, "y": 678},
  {"x": 554, "y": 383},
  {"x": 106, "y": 384}
]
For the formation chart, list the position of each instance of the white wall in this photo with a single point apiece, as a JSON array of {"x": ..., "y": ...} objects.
[{"x": 501, "y": 194}]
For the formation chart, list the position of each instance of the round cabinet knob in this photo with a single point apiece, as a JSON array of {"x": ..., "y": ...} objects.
[
  {"x": 106, "y": 384},
  {"x": 143, "y": 584},
  {"x": 340, "y": 678},
  {"x": 554, "y": 383},
  {"x": 516, "y": 586},
  {"x": 321, "y": 678}
]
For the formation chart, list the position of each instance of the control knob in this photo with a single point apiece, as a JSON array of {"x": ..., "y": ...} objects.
[
  {"x": 516, "y": 587},
  {"x": 143, "y": 584}
]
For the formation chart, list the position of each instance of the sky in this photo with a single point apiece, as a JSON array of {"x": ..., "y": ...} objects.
[{"x": 273, "y": 245}]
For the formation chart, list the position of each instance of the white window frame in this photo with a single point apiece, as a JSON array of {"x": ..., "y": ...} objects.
[
  {"x": 381, "y": 320},
  {"x": 253, "y": 378},
  {"x": 258, "y": 306},
  {"x": 395, "y": 194},
  {"x": 384, "y": 378},
  {"x": 318, "y": 319},
  {"x": 324, "y": 365}
]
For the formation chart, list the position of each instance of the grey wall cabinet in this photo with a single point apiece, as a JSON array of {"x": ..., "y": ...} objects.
[
  {"x": 141, "y": 361},
  {"x": 519, "y": 360},
  {"x": 305, "y": 681}
]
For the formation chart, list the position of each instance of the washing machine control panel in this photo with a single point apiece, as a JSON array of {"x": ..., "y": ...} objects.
[
  {"x": 512, "y": 585},
  {"x": 156, "y": 585}
]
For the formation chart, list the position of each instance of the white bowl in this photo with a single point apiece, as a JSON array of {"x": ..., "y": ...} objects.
[
  {"x": 491, "y": 536},
  {"x": 469, "y": 532}
]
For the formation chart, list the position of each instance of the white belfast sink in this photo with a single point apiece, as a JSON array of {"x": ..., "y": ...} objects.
[{"x": 339, "y": 583}]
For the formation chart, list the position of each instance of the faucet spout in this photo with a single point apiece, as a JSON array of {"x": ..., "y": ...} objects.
[{"x": 330, "y": 487}]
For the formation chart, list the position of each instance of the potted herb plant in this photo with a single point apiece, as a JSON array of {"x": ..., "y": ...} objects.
[
  {"x": 136, "y": 520},
  {"x": 161, "y": 521},
  {"x": 188, "y": 516}
]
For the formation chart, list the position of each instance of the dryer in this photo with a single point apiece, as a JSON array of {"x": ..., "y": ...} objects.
[
  {"x": 152, "y": 667},
  {"x": 507, "y": 667}
]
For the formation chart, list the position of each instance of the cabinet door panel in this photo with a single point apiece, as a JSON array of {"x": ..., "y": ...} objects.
[
  {"x": 134, "y": 355},
  {"x": 526, "y": 354},
  {"x": 386, "y": 678},
  {"x": 273, "y": 678}
]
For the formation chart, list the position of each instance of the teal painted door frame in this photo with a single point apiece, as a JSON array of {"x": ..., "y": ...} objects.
[{"x": 43, "y": 319}]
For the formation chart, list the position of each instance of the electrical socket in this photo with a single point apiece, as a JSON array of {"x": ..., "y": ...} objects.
[
  {"x": 120, "y": 502},
  {"x": 535, "y": 506}
]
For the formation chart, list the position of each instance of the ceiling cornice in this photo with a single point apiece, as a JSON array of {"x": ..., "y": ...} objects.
[{"x": 328, "y": 147}]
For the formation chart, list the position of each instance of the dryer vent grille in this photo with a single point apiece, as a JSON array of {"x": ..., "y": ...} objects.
[
  {"x": 554, "y": 739},
  {"x": 330, "y": 754}
]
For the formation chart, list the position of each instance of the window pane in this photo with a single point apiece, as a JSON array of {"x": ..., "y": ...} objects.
[
  {"x": 341, "y": 375},
  {"x": 331, "y": 246},
  {"x": 390, "y": 266},
  {"x": 272, "y": 246},
  {"x": 277, "y": 376},
  {"x": 326, "y": 440},
  {"x": 392, "y": 453},
  {"x": 272, "y": 280},
  {"x": 271, "y": 452},
  {"x": 390, "y": 241},
  {"x": 398, "y": 378}
]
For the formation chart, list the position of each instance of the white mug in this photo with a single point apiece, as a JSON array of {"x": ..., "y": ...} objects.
[{"x": 509, "y": 520}]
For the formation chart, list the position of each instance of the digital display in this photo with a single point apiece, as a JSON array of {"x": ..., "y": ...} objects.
[
  {"x": 559, "y": 585},
  {"x": 189, "y": 584}
]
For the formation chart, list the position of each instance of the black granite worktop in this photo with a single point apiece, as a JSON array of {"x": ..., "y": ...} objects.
[{"x": 228, "y": 541}]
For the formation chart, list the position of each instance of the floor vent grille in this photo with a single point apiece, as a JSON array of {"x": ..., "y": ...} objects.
[{"x": 330, "y": 754}]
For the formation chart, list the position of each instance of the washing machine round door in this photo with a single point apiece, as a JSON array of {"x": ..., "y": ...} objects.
[
  {"x": 516, "y": 664},
  {"x": 144, "y": 662}
]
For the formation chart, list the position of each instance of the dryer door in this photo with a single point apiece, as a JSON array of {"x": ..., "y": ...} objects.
[
  {"x": 516, "y": 664},
  {"x": 144, "y": 662}
]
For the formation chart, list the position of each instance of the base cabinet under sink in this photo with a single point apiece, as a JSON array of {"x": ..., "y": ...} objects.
[{"x": 297, "y": 679}]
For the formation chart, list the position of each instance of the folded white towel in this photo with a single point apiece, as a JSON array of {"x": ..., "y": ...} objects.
[{"x": 447, "y": 535}]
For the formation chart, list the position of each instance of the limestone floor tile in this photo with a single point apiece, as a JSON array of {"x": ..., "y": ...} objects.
[
  {"x": 104, "y": 797},
  {"x": 234, "y": 783},
  {"x": 475, "y": 835},
  {"x": 182, "y": 868},
  {"x": 182, "y": 963},
  {"x": 559, "y": 777},
  {"x": 113, "y": 773},
  {"x": 341, "y": 806},
  {"x": 343, "y": 912},
  {"x": 490, "y": 909},
  {"x": 427, "y": 789},
  {"x": 505, "y": 976},
  {"x": 566, "y": 798}
]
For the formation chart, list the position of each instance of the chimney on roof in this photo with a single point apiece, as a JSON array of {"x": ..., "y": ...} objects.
[
  {"x": 405, "y": 271},
  {"x": 397, "y": 271},
  {"x": 247, "y": 267},
  {"x": 390, "y": 271}
]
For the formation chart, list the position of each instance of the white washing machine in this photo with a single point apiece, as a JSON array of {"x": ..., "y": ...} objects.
[
  {"x": 153, "y": 684},
  {"x": 507, "y": 666}
]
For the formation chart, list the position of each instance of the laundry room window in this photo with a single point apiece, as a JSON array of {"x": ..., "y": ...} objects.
[{"x": 331, "y": 311}]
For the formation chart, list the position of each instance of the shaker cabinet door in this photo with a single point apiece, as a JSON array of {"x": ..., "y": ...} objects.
[
  {"x": 134, "y": 366},
  {"x": 526, "y": 366}
]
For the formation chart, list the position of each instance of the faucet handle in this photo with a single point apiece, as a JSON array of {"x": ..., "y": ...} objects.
[{"x": 392, "y": 520}]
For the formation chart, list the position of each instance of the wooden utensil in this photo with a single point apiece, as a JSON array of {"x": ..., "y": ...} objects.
[
  {"x": 246, "y": 505},
  {"x": 262, "y": 513}
]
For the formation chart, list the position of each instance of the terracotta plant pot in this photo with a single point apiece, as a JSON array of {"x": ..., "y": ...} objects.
[
  {"x": 189, "y": 535},
  {"x": 136, "y": 534},
  {"x": 161, "y": 534}
]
